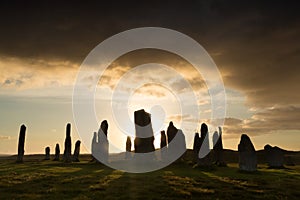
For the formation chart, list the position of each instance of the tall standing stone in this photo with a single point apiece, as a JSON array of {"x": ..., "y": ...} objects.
[
  {"x": 144, "y": 141},
  {"x": 247, "y": 154},
  {"x": 76, "y": 151},
  {"x": 176, "y": 141},
  {"x": 104, "y": 127},
  {"x": 102, "y": 146},
  {"x": 128, "y": 147},
  {"x": 196, "y": 146},
  {"x": 218, "y": 148},
  {"x": 68, "y": 144},
  {"x": 171, "y": 132},
  {"x": 57, "y": 152},
  {"x": 204, "y": 156},
  {"x": 163, "y": 139},
  {"x": 21, "y": 143},
  {"x": 47, "y": 153},
  {"x": 163, "y": 146},
  {"x": 94, "y": 146},
  {"x": 274, "y": 156}
]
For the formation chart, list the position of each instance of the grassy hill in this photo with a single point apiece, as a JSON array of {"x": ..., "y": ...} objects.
[{"x": 39, "y": 179}]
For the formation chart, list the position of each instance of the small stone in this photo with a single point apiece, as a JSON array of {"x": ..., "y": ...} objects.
[
  {"x": 57, "y": 152},
  {"x": 76, "y": 151},
  {"x": 163, "y": 139},
  {"x": 47, "y": 153},
  {"x": 128, "y": 148},
  {"x": 274, "y": 156}
]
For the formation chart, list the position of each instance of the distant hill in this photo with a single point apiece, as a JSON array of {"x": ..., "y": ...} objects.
[
  {"x": 5, "y": 155},
  {"x": 230, "y": 156}
]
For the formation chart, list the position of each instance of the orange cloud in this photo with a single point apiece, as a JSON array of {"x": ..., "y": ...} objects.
[{"x": 23, "y": 74}]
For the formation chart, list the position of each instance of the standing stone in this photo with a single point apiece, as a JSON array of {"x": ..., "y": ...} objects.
[
  {"x": 218, "y": 148},
  {"x": 21, "y": 143},
  {"x": 176, "y": 141},
  {"x": 128, "y": 148},
  {"x": 104, "y": 127},
  {"x": 47, "y": 153},
  {"x": 171, "y": 132},
  {"x": 57, "y": 152},
  {"x": 204, "y": 156},
  {"x": 163, "y": 146},
  {"x": 196, "y": 146},
  {"x": 68, "y": 144},
  {"x": 102, "y": 146},
  {"x": 247, "y": 154},
  {"x": 76, "y": 151},
  {"x": 94, "y": 146},
  {"x": 203, "y": 132},
  {"x": 163, "y": 139},
  {"x": 144, "y": 141},
  {"x": 274, "y": 156}
]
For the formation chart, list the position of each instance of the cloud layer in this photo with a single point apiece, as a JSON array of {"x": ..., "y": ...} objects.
[
  {"x": 255, "y": 45},
  {"x": 264, "y": 122}
]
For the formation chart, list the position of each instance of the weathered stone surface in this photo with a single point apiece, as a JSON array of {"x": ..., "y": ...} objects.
[
  {"x": 204, "y": 156},
  {"x": 218, "y": 148},
  {"x": 274, "y": 156},
  {"x": 143, "y": 143},
  {"x": 57, "y": 152},
  {"x": 196, "y": 146},
  {"x": 128, "y": 148},
  {"x": 21, "y": 143},
  {"x": 47, "y": 153},
  {"x": 76, "y": 151},
  {"x": 68, "y": 144},
  {"x": 247, "y": 154}
]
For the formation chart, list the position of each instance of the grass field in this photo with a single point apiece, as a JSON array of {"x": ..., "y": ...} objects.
[{"x": 38, "y": 179}]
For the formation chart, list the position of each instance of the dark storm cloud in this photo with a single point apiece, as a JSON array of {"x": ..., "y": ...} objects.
[
  {"x": 255, "y": 43},
  {"x": 69, "y": 31},
  {"x": 265, "y": 122},
  {"x": 58, "y": 29},
  {"x": 260, "y": 52}
]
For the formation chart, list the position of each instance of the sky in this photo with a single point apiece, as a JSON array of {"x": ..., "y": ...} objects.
[{"x": 254, "y": 44}]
